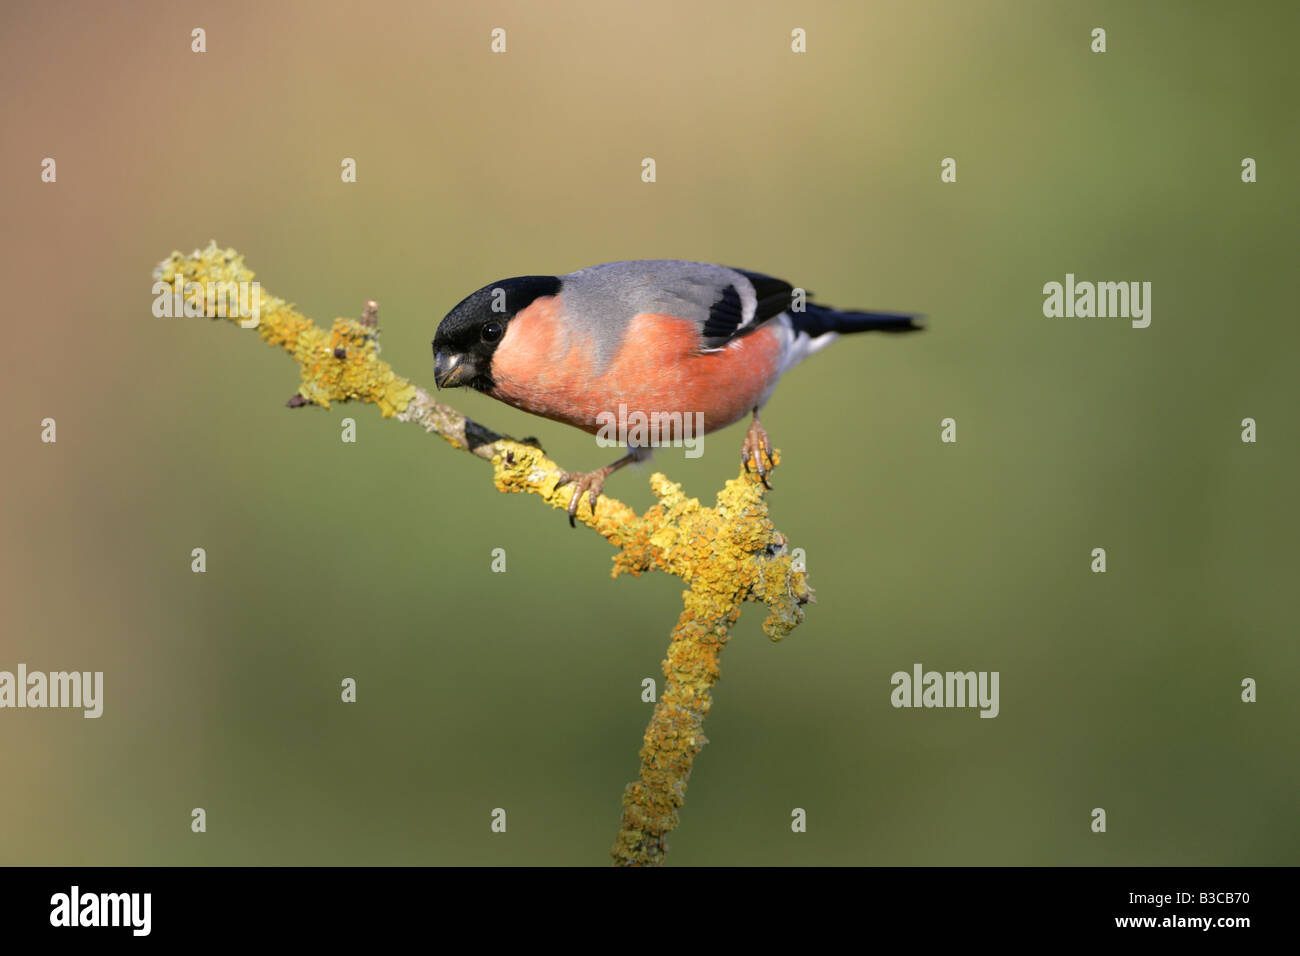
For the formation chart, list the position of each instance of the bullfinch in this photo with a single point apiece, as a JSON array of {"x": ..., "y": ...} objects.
[{"x": 659, "y": 336}]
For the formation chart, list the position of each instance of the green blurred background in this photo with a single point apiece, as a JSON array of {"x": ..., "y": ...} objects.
[{"x": 522, "y": 690}]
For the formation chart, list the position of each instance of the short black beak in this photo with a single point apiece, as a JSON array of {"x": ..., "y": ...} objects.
[{"x": 446, "y": 370}]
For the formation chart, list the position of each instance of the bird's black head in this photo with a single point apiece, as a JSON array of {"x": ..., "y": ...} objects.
[{"x": 469, "y": 335}]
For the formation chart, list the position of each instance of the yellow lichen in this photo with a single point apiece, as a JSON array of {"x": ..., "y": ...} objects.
[{"x": 340, "y": 365}]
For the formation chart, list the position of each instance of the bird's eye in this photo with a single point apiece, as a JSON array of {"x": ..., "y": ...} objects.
[{"x": 492, "y": 331}]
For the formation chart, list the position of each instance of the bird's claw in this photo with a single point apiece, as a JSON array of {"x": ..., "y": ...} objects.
[
  {"x": 592, "y": 483},
  {"x": 755, "y": 449}
]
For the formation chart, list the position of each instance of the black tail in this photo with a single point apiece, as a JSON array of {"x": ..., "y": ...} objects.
[{"x": 817, "y": 320}]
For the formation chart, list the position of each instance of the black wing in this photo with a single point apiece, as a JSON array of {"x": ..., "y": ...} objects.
[{"x": 727, "y": 319}]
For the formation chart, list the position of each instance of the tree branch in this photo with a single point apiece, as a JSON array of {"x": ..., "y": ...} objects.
[{"x": 727, "y": 554}]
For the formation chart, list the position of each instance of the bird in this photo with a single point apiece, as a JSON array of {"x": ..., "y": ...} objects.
[{"x": 659, "y": 335}]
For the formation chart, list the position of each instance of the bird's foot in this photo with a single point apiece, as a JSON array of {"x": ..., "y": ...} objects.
[
  {"x": 757, "y": 451},
  {"x": 590, "y": 483}
]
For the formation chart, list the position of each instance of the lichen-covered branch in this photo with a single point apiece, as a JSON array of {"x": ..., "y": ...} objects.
[{"x": 727, "y": 554}]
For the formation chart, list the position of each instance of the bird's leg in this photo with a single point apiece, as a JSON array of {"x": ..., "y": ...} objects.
[
  {"x": 757, "y": 448},
  {"x": 593, "y": 482}
]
